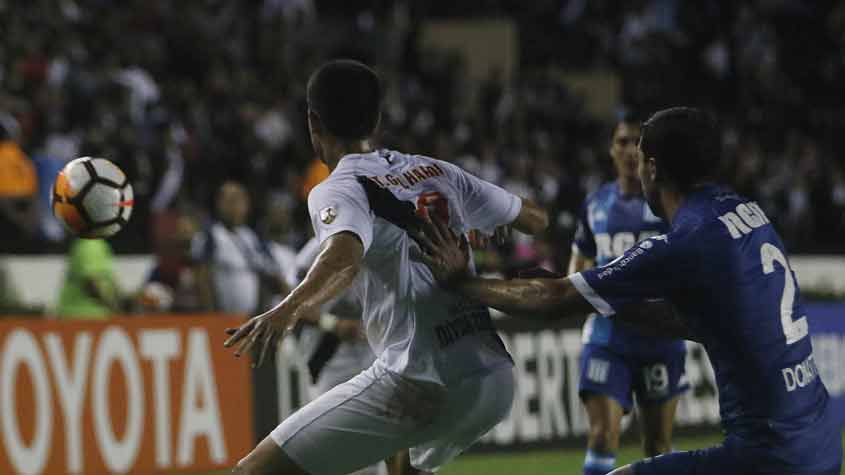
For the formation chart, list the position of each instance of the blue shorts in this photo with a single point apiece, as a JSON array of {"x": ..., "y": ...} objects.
[
  {"x": 738, "y": 457},
  {"x": 654, "y": 378}
]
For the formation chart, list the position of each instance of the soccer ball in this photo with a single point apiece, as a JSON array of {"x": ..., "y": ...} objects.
[{"x": 92, "y": 197}]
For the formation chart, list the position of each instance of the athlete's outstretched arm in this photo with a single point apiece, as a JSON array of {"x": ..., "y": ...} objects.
[
  {"x": 538, "y": 298},
  {"x": 332, "y": 272},
  {"x": 447, "y": 256}
]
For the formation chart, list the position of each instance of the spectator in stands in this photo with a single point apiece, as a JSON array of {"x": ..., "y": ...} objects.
[
  {"x": 18, "y": 191},
  {"x": 277, "y": 226},
  {"x": 235, "y": 271},
  {"x": 213, "y": 76},
  {"x": 172, "y": 285},
  {"x": 90, "y": 291}
]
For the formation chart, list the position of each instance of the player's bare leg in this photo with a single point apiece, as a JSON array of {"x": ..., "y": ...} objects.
[
  {"x": 605, "y": 417},
  {"x": 656, "y": 422},
  {"x": 267, "y": 459},
  {"x": 400, "y": 464}
]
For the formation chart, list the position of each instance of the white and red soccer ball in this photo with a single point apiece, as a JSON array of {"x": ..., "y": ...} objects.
[{"x": 92, "y": 197}]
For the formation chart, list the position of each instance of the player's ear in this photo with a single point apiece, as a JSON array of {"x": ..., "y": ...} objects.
[
  {"x": 314, "y": 122},
  {"x": 378, "y": 124},
  {"x": 651, "y": 169}
]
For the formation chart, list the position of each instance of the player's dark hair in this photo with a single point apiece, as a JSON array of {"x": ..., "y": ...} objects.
[
  {"x": 624, "y": 117},
  {"x": 346, "y": 96},
  {"x": 628, "y": 116},
  {"x": 685, "y": 143}
]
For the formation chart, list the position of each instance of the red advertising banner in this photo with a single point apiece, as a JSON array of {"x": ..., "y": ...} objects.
[{"x": 140, "y": 395}]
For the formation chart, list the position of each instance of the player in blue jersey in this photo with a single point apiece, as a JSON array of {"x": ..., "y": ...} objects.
[
  {"x": 719, "y": 276},
  {"x": 617, "y": 361}
]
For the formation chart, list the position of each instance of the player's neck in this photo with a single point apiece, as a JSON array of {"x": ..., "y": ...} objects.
[
  {"x": 671, "y": 201},
  {"x": 630, "y": 186},
  {"x": 337, "y": 150}
]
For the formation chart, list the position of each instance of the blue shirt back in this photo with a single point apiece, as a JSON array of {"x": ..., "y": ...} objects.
[
  {"x": 609, "y": 224},
  {"x": 724, "y": 267}
]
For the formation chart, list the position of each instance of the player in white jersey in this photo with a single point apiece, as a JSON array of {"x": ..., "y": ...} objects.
[
  {"x": 442, "y": 377},
  {"x": 336, "y": 353}
]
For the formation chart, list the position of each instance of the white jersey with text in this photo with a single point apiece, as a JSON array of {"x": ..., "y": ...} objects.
[{"x": 415, "y": 328}]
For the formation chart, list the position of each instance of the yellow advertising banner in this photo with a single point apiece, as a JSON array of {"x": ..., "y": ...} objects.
[{"x": 139, "y": 395}]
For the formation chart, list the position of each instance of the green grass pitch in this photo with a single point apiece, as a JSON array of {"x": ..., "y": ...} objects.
[
  {"x": 559, "y": 462},
  {"x": 551, "y": 462}
]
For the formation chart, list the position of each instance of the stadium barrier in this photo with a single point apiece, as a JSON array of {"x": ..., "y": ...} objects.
[
  {"x": 138, "y": 395},
  {"x": 547, "y": 411},
  {"x": 38, "y": 279},
  {"x": 160, "y": 394}
]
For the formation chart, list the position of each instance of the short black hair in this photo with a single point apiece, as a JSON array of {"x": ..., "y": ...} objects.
[
  {"x": 346, "y": 96},
  {"x": 686, "y": 144},
  {"x": 628, "y": 116}
]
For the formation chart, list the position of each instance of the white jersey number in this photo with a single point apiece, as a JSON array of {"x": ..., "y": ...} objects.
[
  {"x": 793, "y": 330},
  {"x": 656, "y": 379}
]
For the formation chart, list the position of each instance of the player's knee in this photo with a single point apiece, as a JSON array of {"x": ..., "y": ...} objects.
[
  {"x": 251, "y": 466},
  {"x": 245, "y": 467},
  {"x": 604, "y": 437}
]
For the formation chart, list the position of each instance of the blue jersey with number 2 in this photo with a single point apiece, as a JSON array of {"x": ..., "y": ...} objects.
[{"x": 724, "y": 267}]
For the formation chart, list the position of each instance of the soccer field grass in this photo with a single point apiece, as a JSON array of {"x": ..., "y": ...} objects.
[
  {"x": 560, "y": 462},
  {"x": 556, "y": 462}
]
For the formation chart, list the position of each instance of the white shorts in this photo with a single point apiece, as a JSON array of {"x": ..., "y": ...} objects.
[
  {"x": 351, "y": 358},
  {"x": 378, "y": 413}
]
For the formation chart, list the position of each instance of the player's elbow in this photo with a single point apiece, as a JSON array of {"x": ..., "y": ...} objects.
[{"x": 532, "y": 219}]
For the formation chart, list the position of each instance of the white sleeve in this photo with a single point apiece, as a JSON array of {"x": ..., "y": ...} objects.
[
  {"x": 341, "y": 205},
  {"x": 487, "y": 206}
]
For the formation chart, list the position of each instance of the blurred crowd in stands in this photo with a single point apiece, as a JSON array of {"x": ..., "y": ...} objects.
[{"x": 184, "y": 95}]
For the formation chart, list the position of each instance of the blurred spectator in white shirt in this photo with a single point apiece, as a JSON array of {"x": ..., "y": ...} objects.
[{"x": 235, "y": 270}]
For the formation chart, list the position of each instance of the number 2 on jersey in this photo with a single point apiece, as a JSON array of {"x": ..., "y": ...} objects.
[{"x": 793, "y": 330}]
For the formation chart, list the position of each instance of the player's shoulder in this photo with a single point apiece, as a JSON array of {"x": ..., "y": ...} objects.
[
  {"x": 604, "y": 191},
  {"x": 342, "y": 179},
  {"x": 707, "y": 208}
]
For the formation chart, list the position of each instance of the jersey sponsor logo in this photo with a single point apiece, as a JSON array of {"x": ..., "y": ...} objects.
[
  {"x": 801, "y": 375},
  {"x": 471, "y": 319},
  {"x": 598, "y": 370},
  {"x": 746, "y": 218},
  {"x": 328, "y": 214},
  {"x": 620, "y": 262}
]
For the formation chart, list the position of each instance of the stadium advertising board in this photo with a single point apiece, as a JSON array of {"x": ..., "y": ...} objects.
[
  {"x": 136, "y": 395},
  {"x": 547, "y": 411}
]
